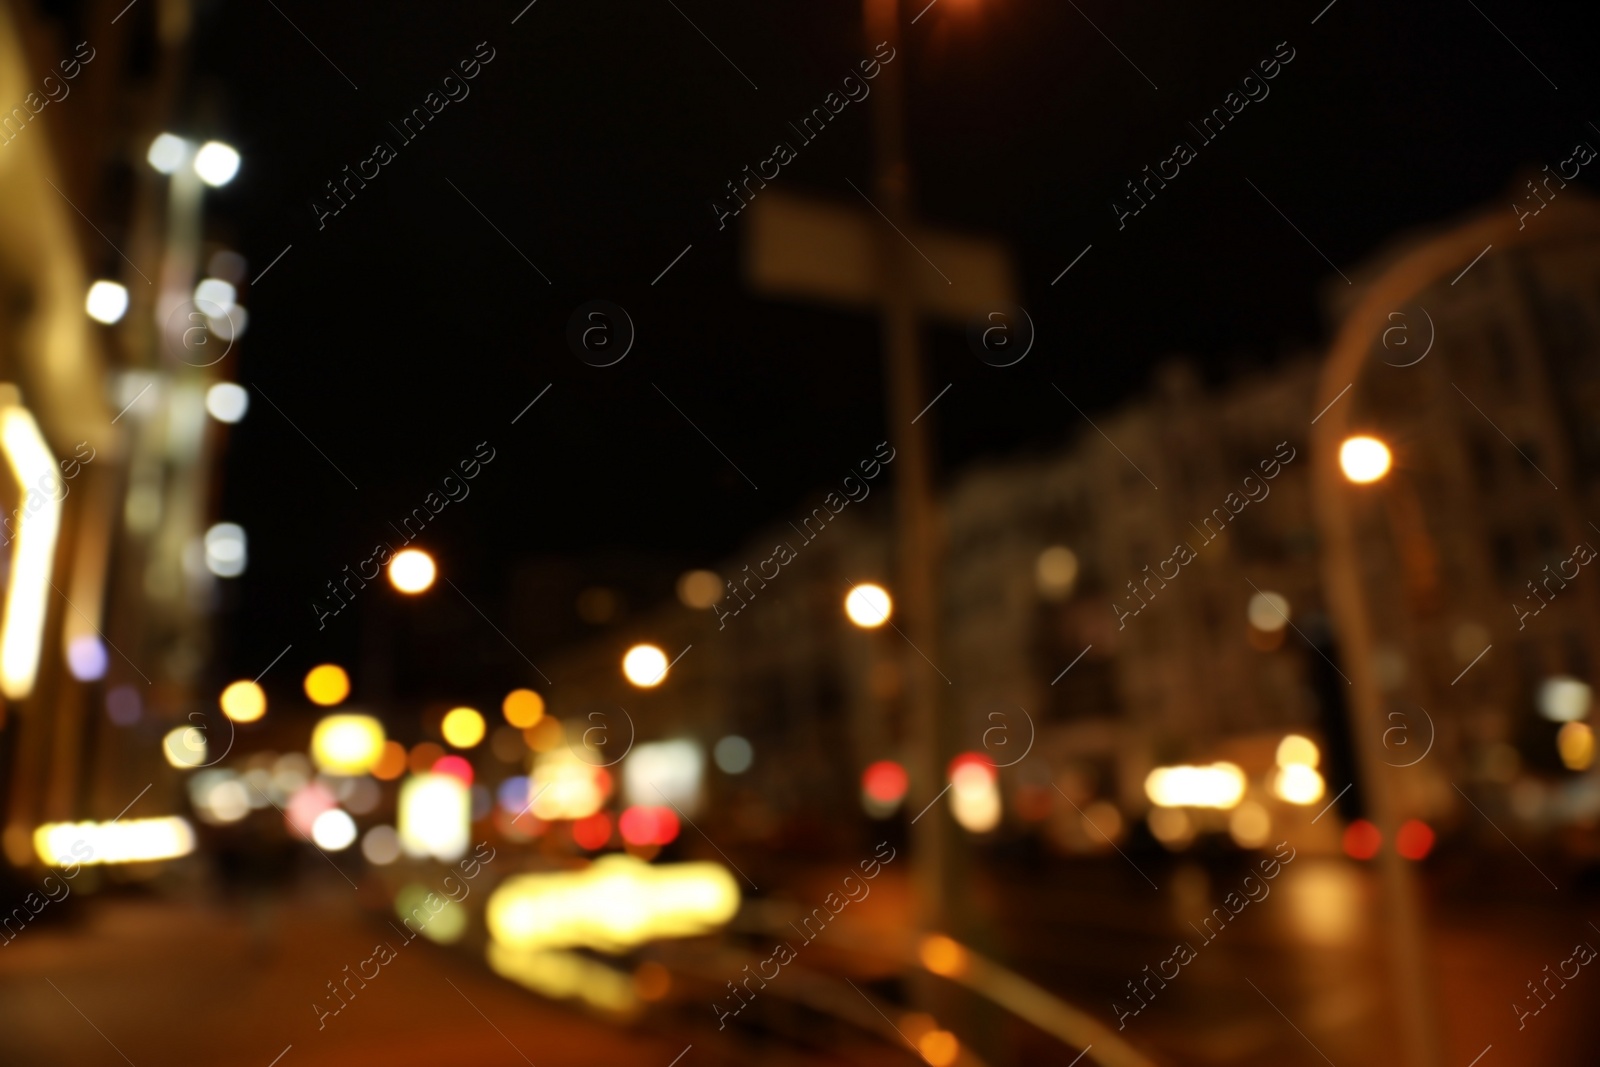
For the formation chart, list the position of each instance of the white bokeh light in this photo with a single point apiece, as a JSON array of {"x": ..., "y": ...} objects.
[
  {"x": 216, "y": 163},
  {"x": 226, "y": 555},
  {"x": 107, "y": 302},
  {"x": 167, "y": 153},
  {"x": 227, "y": 402},
  {"x": 333, "y": 831}
]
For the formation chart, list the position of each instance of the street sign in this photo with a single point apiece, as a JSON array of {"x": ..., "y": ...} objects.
[{"x": 801, "y": 246}]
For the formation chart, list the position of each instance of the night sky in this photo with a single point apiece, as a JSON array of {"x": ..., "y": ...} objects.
[{"x": 408, "y": 330}]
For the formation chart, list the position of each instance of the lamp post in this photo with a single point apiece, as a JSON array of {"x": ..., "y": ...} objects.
[
  {"x": 916, "y": 543},
  {"x": 1349, "y": 606}
]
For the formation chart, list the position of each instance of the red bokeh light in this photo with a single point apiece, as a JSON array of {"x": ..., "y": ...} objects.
[
  {"x": 455, "y": 767},
  {"x": 592, "y": 832},
  {"x": 885, "y": 782},
  {"x": 1414, "y": 840},
  {"x": 1362, "y": 840},
  {"x": 642, "y": 825}
]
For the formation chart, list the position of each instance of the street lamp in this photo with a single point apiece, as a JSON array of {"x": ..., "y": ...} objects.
[
  {"x": 412, "y": 571},
  {"x": 1364, "y": 459},
  {"x": 868, "y": 606},
  {"x": 1345, "y": 584},
  {"x": 645, "y": 666}
]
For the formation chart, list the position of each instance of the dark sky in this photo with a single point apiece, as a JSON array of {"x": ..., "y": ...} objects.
[{"x": 408, "y": 330}]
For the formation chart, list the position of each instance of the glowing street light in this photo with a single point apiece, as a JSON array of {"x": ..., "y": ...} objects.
[
  {"x": 1364, "y": 459},
  {"x": 412, "y": 571},
  {"x": 645, "y": 666},
  {"x": 868, "y": 605}
]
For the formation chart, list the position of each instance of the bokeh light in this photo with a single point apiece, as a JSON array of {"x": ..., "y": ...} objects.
[
  {"x": 1296, "y": 748},
  {"x": 733, "y": 754},
  {"x": 347, "y": 744},
  {"x": 1221, "y": 785},
  {"x": 226, "y": 550},
  {"x": 184, "y": 747},
  {"x": 1362, "y": 840},
  {"x": 1414, "y": 840},
  {"x": 1055, "y": 572},
  {"x": 333, "y": 830},
  {"x": 1364, "y": 459},
  {"x": 107, "y": 302},
  {"x": 167, "y": 153},
  {"x": 592, "y": 832},
  {"x": 124, "y": 706},
  {"x": 381, "y": 845},
  {"x": 462, "y": 727},
  {"x": 939, "y": 1047},
  {"x": 645, "y": 825},
  {"x": 455, "y": 767},
  {"x": 216, "y": 163},
  {"x": 1575, "y": 746},
  {"x": 868, "y": 605},
  {"x": 86, "y": 658},
  {"x": 645, "y": 666},
  {"x": 412, "y": 571},
  {"x": 1268, "y": 611},
  {"x": 327, "y": 684},
  {"x": 243, "y": 701},
  {"x": 1563, "y": 699},
  {"x": 699, "y": 589},
  {"x": 227, "y": 402},
  {"x": 522, "y": 708},
  {"x": 423, "y": 757},
  {"x": 943, "y": 956},
  {"x": 1298, "y": 783},
  {"x": 1250, "y": 825},
  {"x": 391, "y": 762},
  {"x": 435, "y": 817}
]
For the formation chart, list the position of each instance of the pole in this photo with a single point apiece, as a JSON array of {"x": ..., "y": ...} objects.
[
  {"x": 916, "y": 519},
  {"x": 1412, "y": 984}
]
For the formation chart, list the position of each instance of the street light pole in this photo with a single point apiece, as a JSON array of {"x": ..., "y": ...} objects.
[
  {"x": 1347, "y": 594},
  {"x": 916, "y": 518}
]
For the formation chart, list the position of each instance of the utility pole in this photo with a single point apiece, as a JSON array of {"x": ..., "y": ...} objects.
[{"x": 916, "y": 524}]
